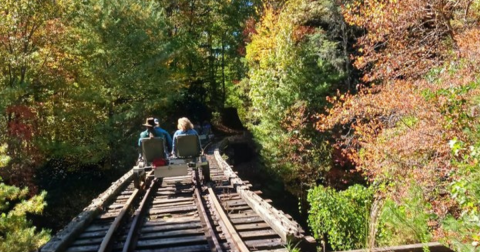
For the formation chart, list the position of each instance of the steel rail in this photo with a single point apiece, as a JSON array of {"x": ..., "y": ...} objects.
[
  {"x": 116, "y": 223},
  {"x": 228, "y": 227},
  {"x": 129, "y": 245},
  {"x": 208, "y": 228}
]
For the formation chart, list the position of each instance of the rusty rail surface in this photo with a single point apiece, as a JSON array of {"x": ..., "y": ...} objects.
[{"x": 180, "y": 214}]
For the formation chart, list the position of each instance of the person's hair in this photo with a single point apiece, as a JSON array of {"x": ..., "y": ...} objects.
[{"x": 184, "y": 124}]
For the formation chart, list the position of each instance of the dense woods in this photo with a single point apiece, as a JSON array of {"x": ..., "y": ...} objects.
[{"x": 367, "y": 111}]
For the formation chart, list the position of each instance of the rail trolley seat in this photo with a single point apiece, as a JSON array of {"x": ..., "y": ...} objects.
[
  {"x": 155, "y": 157},
  {"x": 188, "y": 154},
  {"x": 153, "y": 151}
]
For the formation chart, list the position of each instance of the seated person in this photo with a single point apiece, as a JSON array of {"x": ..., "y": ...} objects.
[
  {"x": 150, "y": 132},
  {"x": 165, "y": 134},
  {"x": 185, "y": 127}
]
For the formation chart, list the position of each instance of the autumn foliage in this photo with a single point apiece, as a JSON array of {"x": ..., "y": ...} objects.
[
  {"x": 406, "y": 38},
  {"x": 420, "y": 60}
]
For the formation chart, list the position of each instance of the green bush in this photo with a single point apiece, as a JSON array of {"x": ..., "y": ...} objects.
[{"x": 340, "y": 216}]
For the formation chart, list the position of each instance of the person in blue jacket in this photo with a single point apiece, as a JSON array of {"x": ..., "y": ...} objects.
[
  {"x": 165, "y": 134},
  {"x": 185, "y": 127},
  {"x": 154, "y": 131},
  {"x": 149, "y": 132}
]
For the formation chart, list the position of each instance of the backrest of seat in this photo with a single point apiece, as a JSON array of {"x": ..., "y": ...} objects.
[
  {"x": 187, "y": 146},
  {"x": 153, "y": 148}
]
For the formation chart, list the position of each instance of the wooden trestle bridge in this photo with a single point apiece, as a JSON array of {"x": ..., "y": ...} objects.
[{"x": 181, "y": 214}]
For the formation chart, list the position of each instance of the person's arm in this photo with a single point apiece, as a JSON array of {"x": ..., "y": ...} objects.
[
  {"x": 139, "y": 148},
  {"x": 142, "y": 135},
  {"x": 168, "y": 138},
  {"x": 173, "y": 142}
]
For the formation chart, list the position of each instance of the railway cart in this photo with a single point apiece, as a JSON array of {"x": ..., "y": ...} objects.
[{"x": 188, "y": 156}]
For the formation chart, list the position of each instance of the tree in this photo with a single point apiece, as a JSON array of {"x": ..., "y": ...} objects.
[
  {"x": 405, "y": 39},
  {"x": 291, "y": 69},
  {"x": 120, "y": 77},
  {"x": 423, "y": 81},
  {"x": 16, "y": 231},
  {"x": 209, "y": 62},
  {"x": 30, "y": 69}
]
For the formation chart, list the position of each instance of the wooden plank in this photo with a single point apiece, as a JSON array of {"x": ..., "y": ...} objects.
[
  {"x": 153, "y": 211},
  {"x": 259, "y": 234},
  {"x": 175, "y": 189},
  {"x": 266, "y": 244},
  {"x": 94, "y": 228},
  {"x": 169, "y": 193},
  {"x": 174, "y": 215},
  {"x": 238, "y": 202},
  {"x": 243, "y": 215},
  {"x": 170, "y": 221},
  {"x": 92, "y": 248},
  {"x": 168, "y": 242},
  {"x": 192, "y": 248},
  {"x": 93, "y": 234},
  {"x": 172, "y": 200},
  {"x": 110, "y": 215},
  {"x": 237, "y": 208},
  {"x": 254, "y": 226},
  {"x": 164, "y": 205},
  {"x": 222, "y": 187},
  {"x": 83, "y": 242},
  {"x": 123, "y": 197},
  {"x": 115, "y": 206},
  {"x": 248, "y": 212},
  {"x": 171, "y": 227},
  {"x": 235, "y": 202},
  {"x": 224, "y": 197},
  {"x": 168, "y": 234}
]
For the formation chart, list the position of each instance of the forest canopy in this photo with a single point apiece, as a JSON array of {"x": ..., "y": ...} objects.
[{"x": 371, "y": 103}]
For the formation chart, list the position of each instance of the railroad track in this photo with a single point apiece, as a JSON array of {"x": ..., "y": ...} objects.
[{"x": 179, "y": 214}]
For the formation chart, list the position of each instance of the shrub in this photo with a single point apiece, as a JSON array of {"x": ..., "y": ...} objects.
[{"x": 341, "y": 216}]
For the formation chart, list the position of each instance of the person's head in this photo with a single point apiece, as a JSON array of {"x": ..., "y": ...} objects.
[
  {"x": 184, "y": 124},
  {"x": 157, "y": 122},
  {"x": 149, "y": 123}
]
